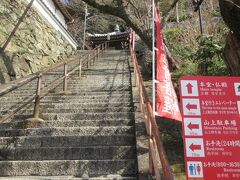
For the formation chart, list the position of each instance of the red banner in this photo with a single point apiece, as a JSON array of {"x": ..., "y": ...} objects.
[{"x": 166, "y": 99}]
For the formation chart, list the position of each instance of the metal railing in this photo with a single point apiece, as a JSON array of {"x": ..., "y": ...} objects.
[
  {"x": 156, "y": 150},
  {"x": 84, "y": 61}
]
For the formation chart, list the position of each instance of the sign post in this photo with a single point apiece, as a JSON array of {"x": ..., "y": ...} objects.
[{"x": 211, "y": 126}]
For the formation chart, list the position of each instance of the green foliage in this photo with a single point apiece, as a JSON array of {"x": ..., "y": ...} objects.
[
  {"x": 208, "y": 48},
  {"x": 206, "y": 59},
  {"x": 209, "y": 56},
  {"x": 216, "y": 13},
  {"x": 178, "y": 48},
  {"x": 217, "y": 67},
  {"x": 188, "y": 67}
]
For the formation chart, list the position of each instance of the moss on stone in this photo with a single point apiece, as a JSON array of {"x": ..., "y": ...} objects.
[{"x": 34, "y": 40}]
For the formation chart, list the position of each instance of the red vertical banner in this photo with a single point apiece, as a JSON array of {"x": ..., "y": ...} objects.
[{"x": 166, "y": 98}]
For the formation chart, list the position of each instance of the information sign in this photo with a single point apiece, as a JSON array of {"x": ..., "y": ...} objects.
[{"x": 211, "y": 126}]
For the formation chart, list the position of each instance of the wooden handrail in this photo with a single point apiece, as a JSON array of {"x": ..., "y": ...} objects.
[
  {"x": 40, "y": 93},
  {"x": 156, "y": 148}
]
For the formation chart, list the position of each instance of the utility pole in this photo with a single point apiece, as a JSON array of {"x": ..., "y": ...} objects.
[
  {"x": 177, "y": 13},
  {"x": 85, "y": 27},
  {"x": 200, "y": 19},
  {"x": 197, "y": 7}
]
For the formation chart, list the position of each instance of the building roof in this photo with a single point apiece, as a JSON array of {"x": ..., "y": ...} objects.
[
  {"x": 63, "y": 9},
  {"x": 114, "y": 36}
]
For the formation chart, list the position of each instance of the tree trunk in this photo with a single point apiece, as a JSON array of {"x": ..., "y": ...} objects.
[
  {"x": 211, "y": 5},
  {"x": 232, "y": 54},
  {"x": 230, "y": 10}
]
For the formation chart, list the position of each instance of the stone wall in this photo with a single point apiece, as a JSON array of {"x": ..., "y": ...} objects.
[{"x": 35, "y": 46}]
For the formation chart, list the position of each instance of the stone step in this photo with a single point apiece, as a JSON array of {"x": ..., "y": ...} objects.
[
  {"x": 104, "y": 177},
  {"x": 99, "y": 87},
  {"x": 68, "y": 141},
  {"x": 76, "y": 90},
  {"x": 68, "y": 131},
  {"x": 75, "y": 105},
  {"x": 96, "y": 93},
  {"x": 75, "y": 98},
  {"x": 70, "y": 123},
  {"x": 79, "y": 89},
  {"x": 104, "y": 72},
  {"x": 79, "y": 168},
  {"x": 80, "y": 116},
  {"x": 88, "y": 109},
  {"x": 82, "y": 102},
  {"x": 69, "y": 153}
]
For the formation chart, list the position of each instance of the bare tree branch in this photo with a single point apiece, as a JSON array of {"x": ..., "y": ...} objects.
[
  {"x": 121, "y": 13},
  {"x": 167, "y": 15}
]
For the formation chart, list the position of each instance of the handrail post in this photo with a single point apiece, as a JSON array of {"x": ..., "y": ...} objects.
[
  {"x": 80, "y": 69},
  {"x": 65, "y": 78},
  {"x": 89, "y": 57},
  {"x": 98, "y": 49},
  {"x": 36, "y": 110},
  {"x": 140, "y": 98}
]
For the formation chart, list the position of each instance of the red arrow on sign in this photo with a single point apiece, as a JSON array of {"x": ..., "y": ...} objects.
[
  {"x": 189, "y": 88},
  {"x": 193, "y": 126},
  {"x": 194, "y": 147},
  {"x": 191, "y": 106}
]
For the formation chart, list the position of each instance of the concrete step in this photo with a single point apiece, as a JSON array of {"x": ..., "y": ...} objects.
[
  {"x": 70, "y": 131},
  {"x": 79, "y": 168},
  {"x": 96, "y": 92},
  {"x": 71, "y": 97},
  {"x": 79, "y": 95},
  {"x": 69, "y": 153},
  {"x": 75, "y": 99},
  {"x": 82, "y": 102},
  {"x": 80, "y": 116},
  {"x": 73, "y": 105},
  {"x": 79, "y": 110},
  {"x": 106, "y": 88},
  {"x": 74, "y": 92},
  {"x": 70, "y": 123},
  {"x": 79, "y": 105},
  {"x": 104, "y": 177},
  {"x": 68, "y": 141}
]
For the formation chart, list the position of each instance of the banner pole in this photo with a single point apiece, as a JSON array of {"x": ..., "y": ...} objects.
[{"x": 153, "y": 62}]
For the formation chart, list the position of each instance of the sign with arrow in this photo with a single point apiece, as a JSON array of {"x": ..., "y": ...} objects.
[
  {"x": 193, "y": 126},
  {"x": 189, "y": 88},
  {"x": 194, "y": 147},
  {"x": 191, "y": 107},
  {"x": 211, "y": 114}
]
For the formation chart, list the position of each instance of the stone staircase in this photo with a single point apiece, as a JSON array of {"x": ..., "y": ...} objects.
[{"x": 88, "y": 133}]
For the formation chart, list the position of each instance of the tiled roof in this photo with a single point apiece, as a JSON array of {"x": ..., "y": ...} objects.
[{"x": 103, "y": 37}]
